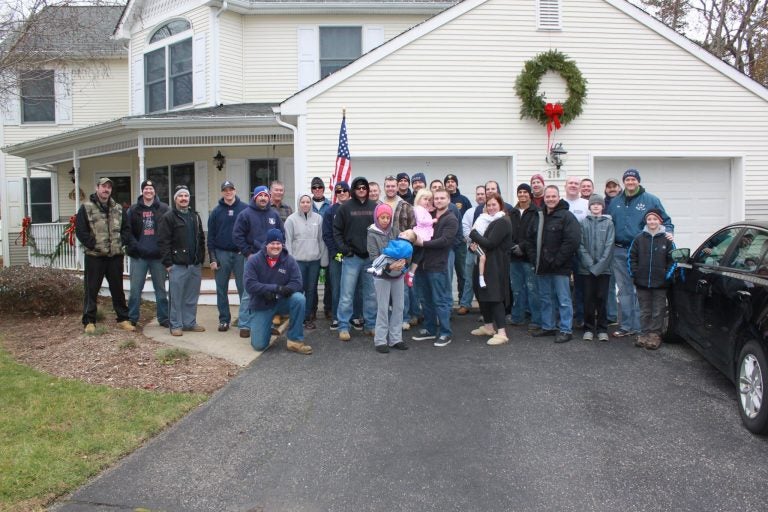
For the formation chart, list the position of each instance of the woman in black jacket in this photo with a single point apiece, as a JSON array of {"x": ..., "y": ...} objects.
[{"x": 494, "y": 298}]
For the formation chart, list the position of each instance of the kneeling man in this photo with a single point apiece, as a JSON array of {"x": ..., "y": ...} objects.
[{"x": 274, "y": 285}]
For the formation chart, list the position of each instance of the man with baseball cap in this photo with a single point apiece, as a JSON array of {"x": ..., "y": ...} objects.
[
  {"x": 141, "y": 245},
  {"x": 182, "y": 247},
  {"x": 250, "y": 233},
  {"x": 224, "y": 254},
  {"x": 628, "y": 211},
  {"x": 101, "y": 227},
  {"x": 273, "y": 281}
]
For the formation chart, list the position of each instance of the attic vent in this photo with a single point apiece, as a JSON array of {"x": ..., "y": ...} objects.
[{"x": 548, "y": 12}]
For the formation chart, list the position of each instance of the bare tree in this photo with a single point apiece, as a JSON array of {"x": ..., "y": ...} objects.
[
  {"x": 735, "y": 31},
  {"x": 49, "y": 34}
]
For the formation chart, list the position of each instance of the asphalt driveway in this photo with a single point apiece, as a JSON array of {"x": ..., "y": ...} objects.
[{"x": 526, "y": 426}]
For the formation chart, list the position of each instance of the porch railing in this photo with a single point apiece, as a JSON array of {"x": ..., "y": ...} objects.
[{"x": 48, "y": 239}]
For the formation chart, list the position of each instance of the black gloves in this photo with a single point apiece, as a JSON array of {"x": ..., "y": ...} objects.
[
  {"x": 517, "y": 251},
  {"x": 284, "y": 291}
]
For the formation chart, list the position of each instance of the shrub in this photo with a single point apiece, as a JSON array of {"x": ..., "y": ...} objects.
[{"x": 40, "y": 291}]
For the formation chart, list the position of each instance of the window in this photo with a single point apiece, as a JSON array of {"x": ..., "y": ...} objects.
[
  {"x": 713, "y": 251},
  {"x": 338, "y": 47},
  {"x": 180, "y": 174},
  {"x": 38, "y": 96},
  {"x": 168, "y": 70},
  {"x": 41, "y": 205},
  {"x": 261, "y": 172},
  {"x": 749, "y": 250}
]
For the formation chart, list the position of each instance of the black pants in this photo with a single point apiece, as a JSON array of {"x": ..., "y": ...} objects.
[
  {"x": 595, "y": 299},
  {"x": 493, "y": 312},
  {"x": 96, "y": 268}
]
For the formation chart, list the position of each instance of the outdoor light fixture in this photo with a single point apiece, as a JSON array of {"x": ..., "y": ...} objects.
[
  {"x": 556, "y": 155},
  {"x": 220, "y": 160}
]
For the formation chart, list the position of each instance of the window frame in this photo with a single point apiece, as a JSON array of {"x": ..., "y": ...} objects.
[
  {"x": 320, "y": 59},
  {"x": 169, "y": 76},
  {"x": 48, "y": 99}
]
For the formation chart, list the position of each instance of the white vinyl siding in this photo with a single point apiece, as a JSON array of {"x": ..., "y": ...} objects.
[
  {"x": 646, "y": 95},
  {"x": 270, "y": 47},
  {"x": 230, "y": 60}
]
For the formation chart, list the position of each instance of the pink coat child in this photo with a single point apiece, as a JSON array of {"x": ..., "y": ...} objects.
[
  {"x": 425, "y": 224},
  {"x": 424, "y": 228}
]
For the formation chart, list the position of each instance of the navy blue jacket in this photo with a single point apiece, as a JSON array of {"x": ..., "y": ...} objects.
[
  {"x": 262, "y": 281},
  {"x": 221, "y": 225},
  {"x": 330, "y": 242},
  {"x": 251, "y": 226},
  {"x": 141, "y": 238}
]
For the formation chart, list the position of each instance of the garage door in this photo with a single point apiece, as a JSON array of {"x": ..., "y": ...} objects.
[
  {"x": 694, "y": 192},
  {"x": 470, "y": 171}
]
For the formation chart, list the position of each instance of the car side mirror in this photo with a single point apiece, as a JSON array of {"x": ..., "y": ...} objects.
[{"x": 680, "y": 255}]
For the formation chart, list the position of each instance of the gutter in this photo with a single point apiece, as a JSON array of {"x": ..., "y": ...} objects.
[
  {"x": 215, "y": 51},
  {"x": 332, "y": 7}
]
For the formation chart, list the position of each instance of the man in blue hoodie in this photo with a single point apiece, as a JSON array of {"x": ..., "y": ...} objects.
[
  {"x": 250, "y": 233},
  {"x": 628, "y": 213},
  {"x": 225, "y": 256},
  {"x": 141, "y": 246},
  {"x": 273, "y": 281}
]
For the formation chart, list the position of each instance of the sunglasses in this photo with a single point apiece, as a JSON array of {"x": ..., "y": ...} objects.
[
  {"x": 318, "y": 187},
  {"x": 341, "y": 191},
  {"x": 361, "y": 187}
]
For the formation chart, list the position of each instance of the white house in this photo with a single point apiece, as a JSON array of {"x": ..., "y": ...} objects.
[{"x": 433, "y": 90}]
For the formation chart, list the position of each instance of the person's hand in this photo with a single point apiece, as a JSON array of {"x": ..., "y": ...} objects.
[
  {"x": 214, "y": 266},
  {"x": 284, "y": 291},
  {"x": 517, "y": 251},
  {"x": 168, "y": 269},
  {"x": 670, "y": 236},
  {"x": 397, "y": 265}
]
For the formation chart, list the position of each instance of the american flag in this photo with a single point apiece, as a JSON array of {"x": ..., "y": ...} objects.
[{"x": 343, "y": 161}]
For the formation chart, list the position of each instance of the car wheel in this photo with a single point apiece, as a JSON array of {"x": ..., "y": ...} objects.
[
  {"x": 752, "y": 378},
  {"x": 668, "y": 331}
]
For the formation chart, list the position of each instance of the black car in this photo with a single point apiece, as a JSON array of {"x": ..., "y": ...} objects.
[{"x": 719, "y": 305}]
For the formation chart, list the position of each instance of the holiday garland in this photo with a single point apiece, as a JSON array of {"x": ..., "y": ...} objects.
[
  {"x": 533, "y": 104},
  {"x": 28, "y": 240}
]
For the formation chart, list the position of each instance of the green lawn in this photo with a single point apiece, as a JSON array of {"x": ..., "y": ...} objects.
[{"x": 56, "y": 433}]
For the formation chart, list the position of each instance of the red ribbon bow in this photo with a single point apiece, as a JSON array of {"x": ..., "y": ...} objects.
[
  {"x": 25, "y": 222},
  {"x": 553, "y": 113},
  {"x": 70, "y": 231}
]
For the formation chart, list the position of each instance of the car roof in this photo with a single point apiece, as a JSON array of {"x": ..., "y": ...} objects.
[{"x": 749, "y": 223}]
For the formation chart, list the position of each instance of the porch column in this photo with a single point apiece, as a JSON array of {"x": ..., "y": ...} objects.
[
  {"x": 76, "y": 165},
  {"x": 142, "y": 170}
]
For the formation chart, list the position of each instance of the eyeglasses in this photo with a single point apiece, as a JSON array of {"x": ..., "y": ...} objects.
[
  {"x": 340, "y": 191},
  {"x": 361, "y": 187},
  {"x": 317, "y": 187}
]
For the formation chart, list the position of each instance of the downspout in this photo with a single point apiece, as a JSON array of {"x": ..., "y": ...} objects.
[
  {"x": 215, "y": 100},
  {"x": 76, "y": 165},
  {"x": 5, "y": 248},
  {"x": 299, "y": 156}
]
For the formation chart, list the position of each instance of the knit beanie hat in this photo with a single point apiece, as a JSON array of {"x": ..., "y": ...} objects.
[
  {"x": 419, "y": 176},
  {"x": 526, "y": 187},
  {"x": 317, "y": 182},
  {"x": 147, "y": 183},
  {"x": 403, "y": 176},
  {"x": 596, "y": 199},
  {"x": 538, "y": 177},
  {"x": 261, "y": 189},
  {"x": 179, "y": 190},
  {"x": 631, "y": 173},
  {"x": 380, "y": 209},
  {"x": 274, "y": 235},
  {"x": 656, "y": 212}
]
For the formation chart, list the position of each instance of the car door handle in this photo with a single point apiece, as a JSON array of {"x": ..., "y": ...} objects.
[{"x": 702, "y": 284}]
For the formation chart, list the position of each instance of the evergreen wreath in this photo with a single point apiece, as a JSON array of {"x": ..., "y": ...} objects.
[
  {"x": 68, "y": 238},
  {"x": 528, "y": 82}
]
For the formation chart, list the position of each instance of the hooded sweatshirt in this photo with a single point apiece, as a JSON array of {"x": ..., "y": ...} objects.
[
  {"x": 304, "y": 237},
  {"x": 251, "y": 227},
  {"x": 350, "y": 225}
]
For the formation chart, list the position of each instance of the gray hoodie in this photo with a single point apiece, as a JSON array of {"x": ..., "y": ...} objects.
[
  {"x": 596, "y": 248},
  {"x": 304, "y": 237}
]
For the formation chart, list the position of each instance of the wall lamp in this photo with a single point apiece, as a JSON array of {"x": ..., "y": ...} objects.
[{"x": 220, "y": 160}]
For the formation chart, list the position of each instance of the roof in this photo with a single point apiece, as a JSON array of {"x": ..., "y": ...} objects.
[{"x": 74, "y": 31}]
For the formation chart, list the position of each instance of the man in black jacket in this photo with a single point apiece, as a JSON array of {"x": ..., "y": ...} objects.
[
  {"x": 521, "y": 274},
  {"x": 552, "y": 242},
  {"x": 432, "y": 275},
  {"x": 182, "y": 248},
  {"x": 141, "y": 245}
]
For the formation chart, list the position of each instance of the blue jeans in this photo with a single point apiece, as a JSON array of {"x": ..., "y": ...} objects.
[
  {"x": 553, "y": 287},
  {"x": 310, "y": 272},
  {"x": 139, "y": 268},
  {"x": 436, "y": 289},
  {"x": 229, "y": 262},
  {"x": 611, "y": 305},
  {"x": 261, "y": 320},
  {"x": 578, "y": 292},
  {"x": 460, "y": 265},
  {"x": 334, "y": 278},
  {"x": 628, "y": 305},
  {"x": 352, "y": 275},
  {"x": 525, "y": 292},
  {"x": 467, "y": 294}
]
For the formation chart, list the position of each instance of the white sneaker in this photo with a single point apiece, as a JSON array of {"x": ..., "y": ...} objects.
[
  {"x": 497, "y": 339},
  {"x": 406, "y": 326},
  {"x": 442, "y": 341},
  {"x": 588, "y": 336}
]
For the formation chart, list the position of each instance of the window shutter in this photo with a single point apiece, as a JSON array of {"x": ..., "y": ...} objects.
[
  {"x": 548, "y": 14},
  {"x": 10, "y": 104},
  {"x": 309, "y": 56},
  {"x": 63, "y": 86},
  {"x": 137, "y": 86},
  {"x": 15, "y": 198},
  {"x": 201, "y": 190},
  {"x": 372, "y": 37},
  {"x": 198, "y": 69},
  {"x": 235, "y": 172}
]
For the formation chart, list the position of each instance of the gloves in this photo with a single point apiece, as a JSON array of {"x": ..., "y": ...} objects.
[
  {"x": 517, "y": 251},
  {"x": 284, "y": 291},
  {"x": 269, "y": 296},
  {"x": 339, "y": 257}
]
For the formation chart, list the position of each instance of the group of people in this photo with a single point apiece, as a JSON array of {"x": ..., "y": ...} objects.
[{"x": 551, "y": 262}]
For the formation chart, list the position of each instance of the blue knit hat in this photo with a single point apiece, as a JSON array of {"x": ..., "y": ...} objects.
[
  {"x": 261, "y": 189},
  {"x": 274, "y": 235},
  {"x": 631, "y": 173},
  {"x": 419, "y": 176}
]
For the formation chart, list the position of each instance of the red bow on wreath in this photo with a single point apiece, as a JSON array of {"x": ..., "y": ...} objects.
[
  {"x": 70, "y": 231},
  {"x": 25, "y": 223},
  {"x": 553, "y": 112}
]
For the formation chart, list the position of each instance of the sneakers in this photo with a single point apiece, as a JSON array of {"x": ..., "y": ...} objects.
[
  {"x": 409, "y": 279},
  {"x": 125, "y": 325},
  {"x": 194, "y": 328},
  {"x": 298, "y": 347},
  {"x": 400, "y": 346},
  {"x": 442, "y": 341},
  {"x": 309, "y": 325},
  {"x": 406, "y": 326},
  {"x": 622, "y": 333},
  {"x": 543, "y": 332},
  {"x": 223, "y": 327},
  {"x": 423, "y": 335},
  {"x": 482, "y": 331},
  {"x": 497, "y": 339},
  {"x": 382, "y": 349},
  {"x": 176, "y": 332},
  {"x": 588, "y": 336},
  {"x": 245, "y": 333},
  {"x": 357, "y": 324},
  {"x": 335, "y": 325},
  {"x": 563, "y": 337},
  {"x": 344, "y": 335},
  {"x": 90, "y": 329},
  {"x": 602, "y": 336}
]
